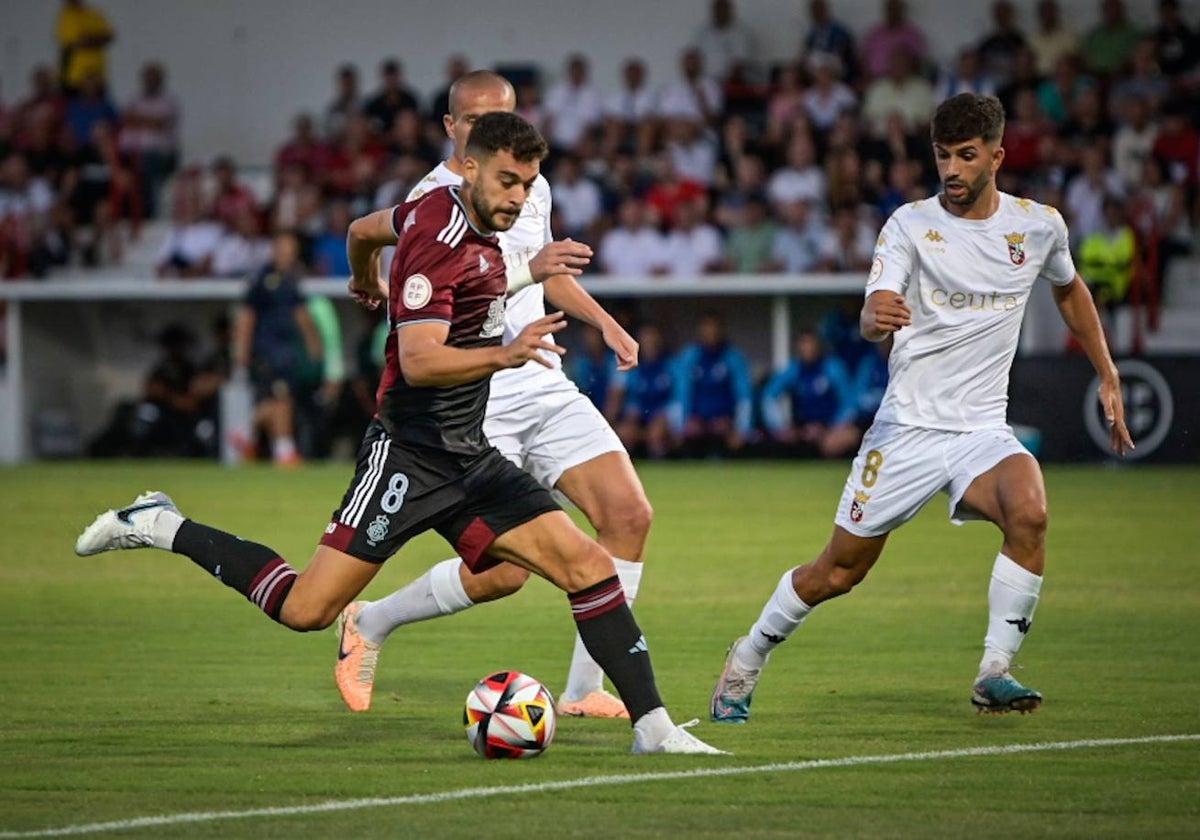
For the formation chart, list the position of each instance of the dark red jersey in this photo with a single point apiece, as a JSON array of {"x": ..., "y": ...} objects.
[{"x": 444, "y": 271}]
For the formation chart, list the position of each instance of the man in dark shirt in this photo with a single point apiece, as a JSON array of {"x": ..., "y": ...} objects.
[
  {"x": 392, "y": 98},
  {"x": 425, "y": 463},
  {"x": 272, "y": 326}
]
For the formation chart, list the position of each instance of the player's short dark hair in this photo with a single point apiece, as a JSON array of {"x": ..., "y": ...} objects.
[
  {"x": 505, "y": 131},
  {"x": 966, "y": 116}
]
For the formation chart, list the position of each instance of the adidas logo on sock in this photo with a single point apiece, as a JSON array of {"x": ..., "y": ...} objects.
[{"x": 641, "y": 646}]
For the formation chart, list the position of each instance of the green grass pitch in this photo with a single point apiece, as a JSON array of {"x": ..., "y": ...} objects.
[{"x": 134, "y": 686}]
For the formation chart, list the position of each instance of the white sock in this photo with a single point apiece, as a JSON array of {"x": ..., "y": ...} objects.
[
  {"x": 584, "y": 675},
  {"x": 437, "y": 592},
  {"x": 166, "y": 526},
  {"x": 1012, "y": 598},
  {"x": 782, "y": 614},
  {"x": 283, "y": 448},
  {"x": 655, "y": 725}
]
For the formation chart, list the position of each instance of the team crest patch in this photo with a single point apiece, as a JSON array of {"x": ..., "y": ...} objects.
[
  {"x": 377, "y": 531},
  {"x": 859, "y": 506},
  {"x": 1016, "y": 247},
  {"x": 417, "y": 292},
  {"x": 876, "y": 271},
  {"x": 494, "y": 324}
]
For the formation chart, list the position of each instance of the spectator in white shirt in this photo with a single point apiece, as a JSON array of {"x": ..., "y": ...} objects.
[
  {"x": 188, "y": 249},
  {"x": 634, "y": 248},
  {"x": 149, "y": 126},
  {"x": 577, "y": 199},
  {"x": 1133, "y": 142},
  {"x": 573, "y": 107},
  {"x": 801, "y": 179},
  {"x": 693, "y": 95},
  {"x": 903, "y": 92},
  {"x": 797, "y": 246},
  {"x": 693, "y": 151},
  {"x": 1087, "y": 191},
  {"x": 347, "y": 103},
  {"x": 968, "y": 76},
  {"x": 243, "y": 250},
  {"x": 724, "y": 41},
  {"x": 848, "y": 244},
  {"x": 828, "y": 96},
  {"x": 694, "y": 247},
  {"x": 629, "y": 112}
]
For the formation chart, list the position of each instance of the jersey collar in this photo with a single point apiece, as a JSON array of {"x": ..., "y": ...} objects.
[{"x": 458, "y": 200}]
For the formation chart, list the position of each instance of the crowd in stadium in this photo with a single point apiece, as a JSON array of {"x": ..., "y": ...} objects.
[{"x": 730, "y": 166}]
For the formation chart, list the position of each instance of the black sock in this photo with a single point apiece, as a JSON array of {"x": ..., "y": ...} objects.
[
  {"x": 613, "y": 638},
  {"x": 252, "y": 569}
]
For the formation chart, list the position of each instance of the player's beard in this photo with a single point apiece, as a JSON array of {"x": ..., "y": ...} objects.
[
  {"x": 490, "y": 216},
  {"x": 970, "y": 193}
]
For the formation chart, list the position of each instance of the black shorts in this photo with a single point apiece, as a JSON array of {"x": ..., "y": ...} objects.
[{"x": 400, "y": 491}]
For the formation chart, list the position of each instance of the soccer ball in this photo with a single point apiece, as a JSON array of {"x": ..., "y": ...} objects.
[{"x": 509, "y": 715}]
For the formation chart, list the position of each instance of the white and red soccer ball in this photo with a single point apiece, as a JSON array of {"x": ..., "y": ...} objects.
[{"x": 509, "y": 715}]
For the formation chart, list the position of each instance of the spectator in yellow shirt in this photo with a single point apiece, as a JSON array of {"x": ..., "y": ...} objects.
[{"x": 83, "y": 34}]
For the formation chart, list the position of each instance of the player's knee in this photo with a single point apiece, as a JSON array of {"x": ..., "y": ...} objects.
[
  {"x": 842, "y": 579},
  {"x": 498, "y": 582},
  {"x": 305, "y": 617},
  {"x": 630, "y": 518},
  {"x": 1028, "y": 520},
  {"x": 588, "y": 565}
]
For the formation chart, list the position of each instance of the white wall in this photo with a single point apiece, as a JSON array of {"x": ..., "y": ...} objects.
[{"x": 243, "y": 67}]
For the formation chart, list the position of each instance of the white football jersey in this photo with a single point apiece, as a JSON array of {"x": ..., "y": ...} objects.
[
  {"x": 967, "y": 283},
  {"x": 520, "y": 244}
]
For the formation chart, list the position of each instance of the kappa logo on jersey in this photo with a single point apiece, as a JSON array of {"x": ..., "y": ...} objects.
[
  {"x": 409, "y": 220},
  {"x": 1016, "y": 247},
  {"x": 418, "y": 291},
  {"x": 1023, "y": 203},
  {"x": 484, "y": 265},
  {"x": 933, "y": 236},
  {"x": 859, "y": 506},
  {"x": 494, "y": 324}
]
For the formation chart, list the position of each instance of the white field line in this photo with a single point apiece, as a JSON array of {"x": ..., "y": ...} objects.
[{"x": 588, "y": 781}]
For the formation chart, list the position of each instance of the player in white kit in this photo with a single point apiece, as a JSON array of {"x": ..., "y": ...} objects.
[
  {"x": 948, "y": 286},
  {"x": 536, "y": 418}
]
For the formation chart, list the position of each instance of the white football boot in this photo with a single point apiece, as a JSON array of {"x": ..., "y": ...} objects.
[
  {"x": 130, "y": 527},
  {"x": 678, "y": 740}
]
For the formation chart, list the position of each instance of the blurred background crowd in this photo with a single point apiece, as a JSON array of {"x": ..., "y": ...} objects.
[{"x": 728, "y": 167}]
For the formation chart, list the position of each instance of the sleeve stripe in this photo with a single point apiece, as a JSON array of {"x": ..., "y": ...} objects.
[
  {"x": 395, "y": 227},
  {"x": 423, "y": 321},
  {"x": 453, "y": 232}
]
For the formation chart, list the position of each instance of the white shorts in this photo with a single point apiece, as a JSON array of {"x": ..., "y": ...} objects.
[
  {"x": 900, "y": 468},
  {"x": 548, "y": 431}
]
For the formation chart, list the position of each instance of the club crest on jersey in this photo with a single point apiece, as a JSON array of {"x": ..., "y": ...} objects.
[
  {"x": 1016, "y": 247},
  {"x": 859, "y": 506},
  {"x": 417, "y": 291},
  {"x": 493, "y": 325}
]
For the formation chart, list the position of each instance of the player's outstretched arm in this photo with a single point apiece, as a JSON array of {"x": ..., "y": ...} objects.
[
  {"x": 365, "y": 238},
  {"x": 884, "y": 313},
  {"x": 1078, "y": 310},
  {"x": 565, "y": 256},
  {"x": 565, "y": 293},
  {"x": 427, "y": 362}
]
